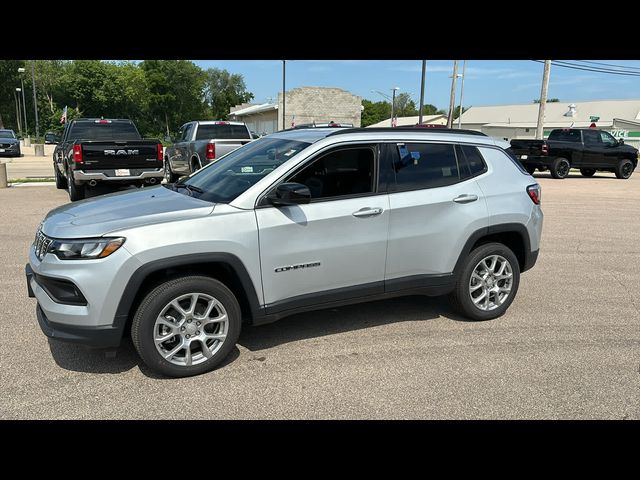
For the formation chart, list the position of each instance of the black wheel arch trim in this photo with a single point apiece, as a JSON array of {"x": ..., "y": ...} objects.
[
  {"x": 197, "y": 259},
  {"x": 530, "y": 257}
]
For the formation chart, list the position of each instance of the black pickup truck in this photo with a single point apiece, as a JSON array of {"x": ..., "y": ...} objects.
[
  {"x": 588, "y": 149},
  {"x": 95, "y": 150}
]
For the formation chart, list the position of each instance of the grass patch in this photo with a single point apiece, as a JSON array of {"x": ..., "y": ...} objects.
[{"x": 32, "y": 180}]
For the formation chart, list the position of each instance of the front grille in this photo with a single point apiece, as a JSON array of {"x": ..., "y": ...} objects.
[
  {"x": 41, "y": 243},
  {"x": 6, "y": 145}
]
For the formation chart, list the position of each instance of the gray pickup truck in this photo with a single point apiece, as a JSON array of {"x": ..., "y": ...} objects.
[{"x": 200, "y": 143}]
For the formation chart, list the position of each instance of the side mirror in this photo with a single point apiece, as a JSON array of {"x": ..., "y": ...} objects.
[
  {"x": 290, "y": 194},
  {"x": 620, "y": 141}
]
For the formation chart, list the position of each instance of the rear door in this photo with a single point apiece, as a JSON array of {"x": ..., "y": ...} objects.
[
  {"x": 594, "y": 149},
  {"x": 435, "y": 205},
  {"x": 333, "y": 248}
]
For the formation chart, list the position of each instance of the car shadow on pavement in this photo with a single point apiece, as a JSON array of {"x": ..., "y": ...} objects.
[
  {"x": 576, "y": 175},
  {"x": 344, "y": 319},
  {"x": 80, "y": 358}
]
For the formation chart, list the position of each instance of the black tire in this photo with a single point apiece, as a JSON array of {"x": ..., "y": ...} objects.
[
  {"x": 530, "y": 170},
  {"x": 624, "y": 169},
  {"x": 560, "y": 168},
  {"x": 76, "y": 192},
  {"x": 460, "y": 297},
  {"x": 195, "y": 165},
  {"x": 169, "y": 176},
  {"x": 61, "y": 182},
  {"x": 587, "y": 172},
  {"x": 142, "y": 328}
]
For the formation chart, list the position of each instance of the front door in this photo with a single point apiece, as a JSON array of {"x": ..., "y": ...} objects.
[{"x": 333, "y": 248}]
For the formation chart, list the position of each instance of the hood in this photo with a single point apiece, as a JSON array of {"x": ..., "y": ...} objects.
[{"x": 117, "y": 211}]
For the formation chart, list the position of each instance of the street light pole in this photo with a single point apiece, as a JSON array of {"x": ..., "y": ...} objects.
[
  {"x": 464, "y": 68},
  {"x": 35, "y": 101},
  {"x": 16, "y": 97},
  {"x": 24, "y": 104},
  {"x": 424, "y": 71},
  {"x": 393, "y": 103}
]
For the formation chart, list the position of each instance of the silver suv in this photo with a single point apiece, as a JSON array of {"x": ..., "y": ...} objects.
[{"x": 299, "y": 220}]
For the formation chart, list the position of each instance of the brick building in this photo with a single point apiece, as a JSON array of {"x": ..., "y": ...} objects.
[{"x": 302, "y": 105}]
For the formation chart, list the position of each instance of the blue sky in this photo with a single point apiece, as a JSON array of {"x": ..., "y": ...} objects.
[{"x": 488, "y": 82}]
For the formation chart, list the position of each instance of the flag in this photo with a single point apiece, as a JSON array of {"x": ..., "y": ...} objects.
[
  {"x": 293, "y": 122},
  {"x": 63, "y": 118}
]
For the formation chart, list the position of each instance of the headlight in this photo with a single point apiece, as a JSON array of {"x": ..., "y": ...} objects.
[{"x": 85, "y": 249}]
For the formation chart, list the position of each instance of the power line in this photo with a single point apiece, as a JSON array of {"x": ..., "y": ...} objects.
[
  {"x": 573, "y": 66},
  {"x": 609, "y": 64}
]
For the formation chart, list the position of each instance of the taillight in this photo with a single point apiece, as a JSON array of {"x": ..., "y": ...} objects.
[
  {"x": 211, "y": 151},
  {"x": 160, "y": 153},
  {"x": 77, "y": 153},
  {"x": 545, "y": 149},
  {"x": 535, "y": 193}
]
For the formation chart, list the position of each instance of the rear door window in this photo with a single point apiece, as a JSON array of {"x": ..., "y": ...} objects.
[{"x": 425, "y": 165}]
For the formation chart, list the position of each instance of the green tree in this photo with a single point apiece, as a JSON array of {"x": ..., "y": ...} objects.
[
  {"x": 404, "y": 106},
  {"x": 429, "y": 109},
  {"x": 223, "y": 90},
  {"x": 9, "y": 80},
  {"x": 374, "y": 112},
  {"x": 456, "y": 111},
  {"x": 175, "y": 93}
]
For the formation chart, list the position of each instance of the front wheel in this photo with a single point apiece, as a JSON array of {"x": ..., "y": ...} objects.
[
  {"x": 487, "y": 283},
  {"x": 560, "y": 168},
  {"x": 587, "y": 172},
  {"x": 186, "y": 326},
  {"x": 61, "y": 182},
  {"x": 624, "y": 169}
]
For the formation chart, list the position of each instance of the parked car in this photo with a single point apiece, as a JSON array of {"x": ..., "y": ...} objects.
[
  {"x": 97, "y": 150},
  {"x": 201, "y": 143},
  {"x": 9, "y": 144},
  {"x": 51, "y": 138},
  {"x": 588, "y": 149},
  {"x": 295, "y": 221}
]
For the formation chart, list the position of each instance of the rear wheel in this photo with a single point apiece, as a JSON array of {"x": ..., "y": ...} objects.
[
  {"x": 560, "y": 168},
  {"x": 186, "y": 326},
  {"x": 169, "y": 176},
  {"x": 61, "y": 182},
  {"x": 76, "y": 192},
  {"x": 195, "y": 165},
  {"x": 488, "y": 282},
  {"x": 587, "y": 172},
  {"x": 530, "y": 170},
  {"x": 624, "y": 169}
]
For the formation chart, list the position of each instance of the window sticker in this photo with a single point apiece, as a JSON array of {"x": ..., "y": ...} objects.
[{"x": 246, "y": 169}]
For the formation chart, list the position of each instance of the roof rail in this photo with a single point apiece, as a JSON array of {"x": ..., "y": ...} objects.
[{"x": 408, "y": 129}]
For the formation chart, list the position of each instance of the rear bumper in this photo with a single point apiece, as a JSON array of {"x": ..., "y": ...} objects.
[
  {"x": 100, "y": 176},
  {"x": 536, "y": 161},
  {"x": 102, "y": 337}
]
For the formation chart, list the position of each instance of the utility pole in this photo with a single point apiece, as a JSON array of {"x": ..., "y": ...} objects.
[
  {"x": 452, "y": 99},
  {"x": 35, "y": 101},
  {"x": 283, "y": 91},
  {"x": 543, "y": 100},
  {"x": 393, "y": 103},
  {"x": 424, "y": 71},
  {"x": 464, "y": 68}
]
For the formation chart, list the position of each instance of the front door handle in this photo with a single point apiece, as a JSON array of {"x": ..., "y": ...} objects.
[
  {"x": 465, "y": 198},
  {"x": 367, "y": 212}
]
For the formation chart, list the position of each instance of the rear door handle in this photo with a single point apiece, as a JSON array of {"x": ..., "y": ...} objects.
[
  {"x": 465, "y": 198},
  {"x": 367, "y": 212}
]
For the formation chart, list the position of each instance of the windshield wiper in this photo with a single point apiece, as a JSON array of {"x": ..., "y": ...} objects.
[{"x": 191, "y": 188}]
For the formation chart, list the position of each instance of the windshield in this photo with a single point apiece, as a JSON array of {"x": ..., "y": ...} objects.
[
  {"x": 103, "y": 131},
  {"x": 233, "y": 174},
  {"x": 7, "y": 134}
]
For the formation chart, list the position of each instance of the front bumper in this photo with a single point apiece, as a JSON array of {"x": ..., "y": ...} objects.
[
  {"x": 103, "y": 337},
  {"x": 109, "y": 176}
]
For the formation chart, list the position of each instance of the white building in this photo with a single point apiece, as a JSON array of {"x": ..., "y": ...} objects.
[
  {"x": 620, "y": 117},
  {"x": 410, "y": 121}
]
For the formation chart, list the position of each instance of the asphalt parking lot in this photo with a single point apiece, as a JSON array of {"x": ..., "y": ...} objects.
[{"x": 568, "y": 348}]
